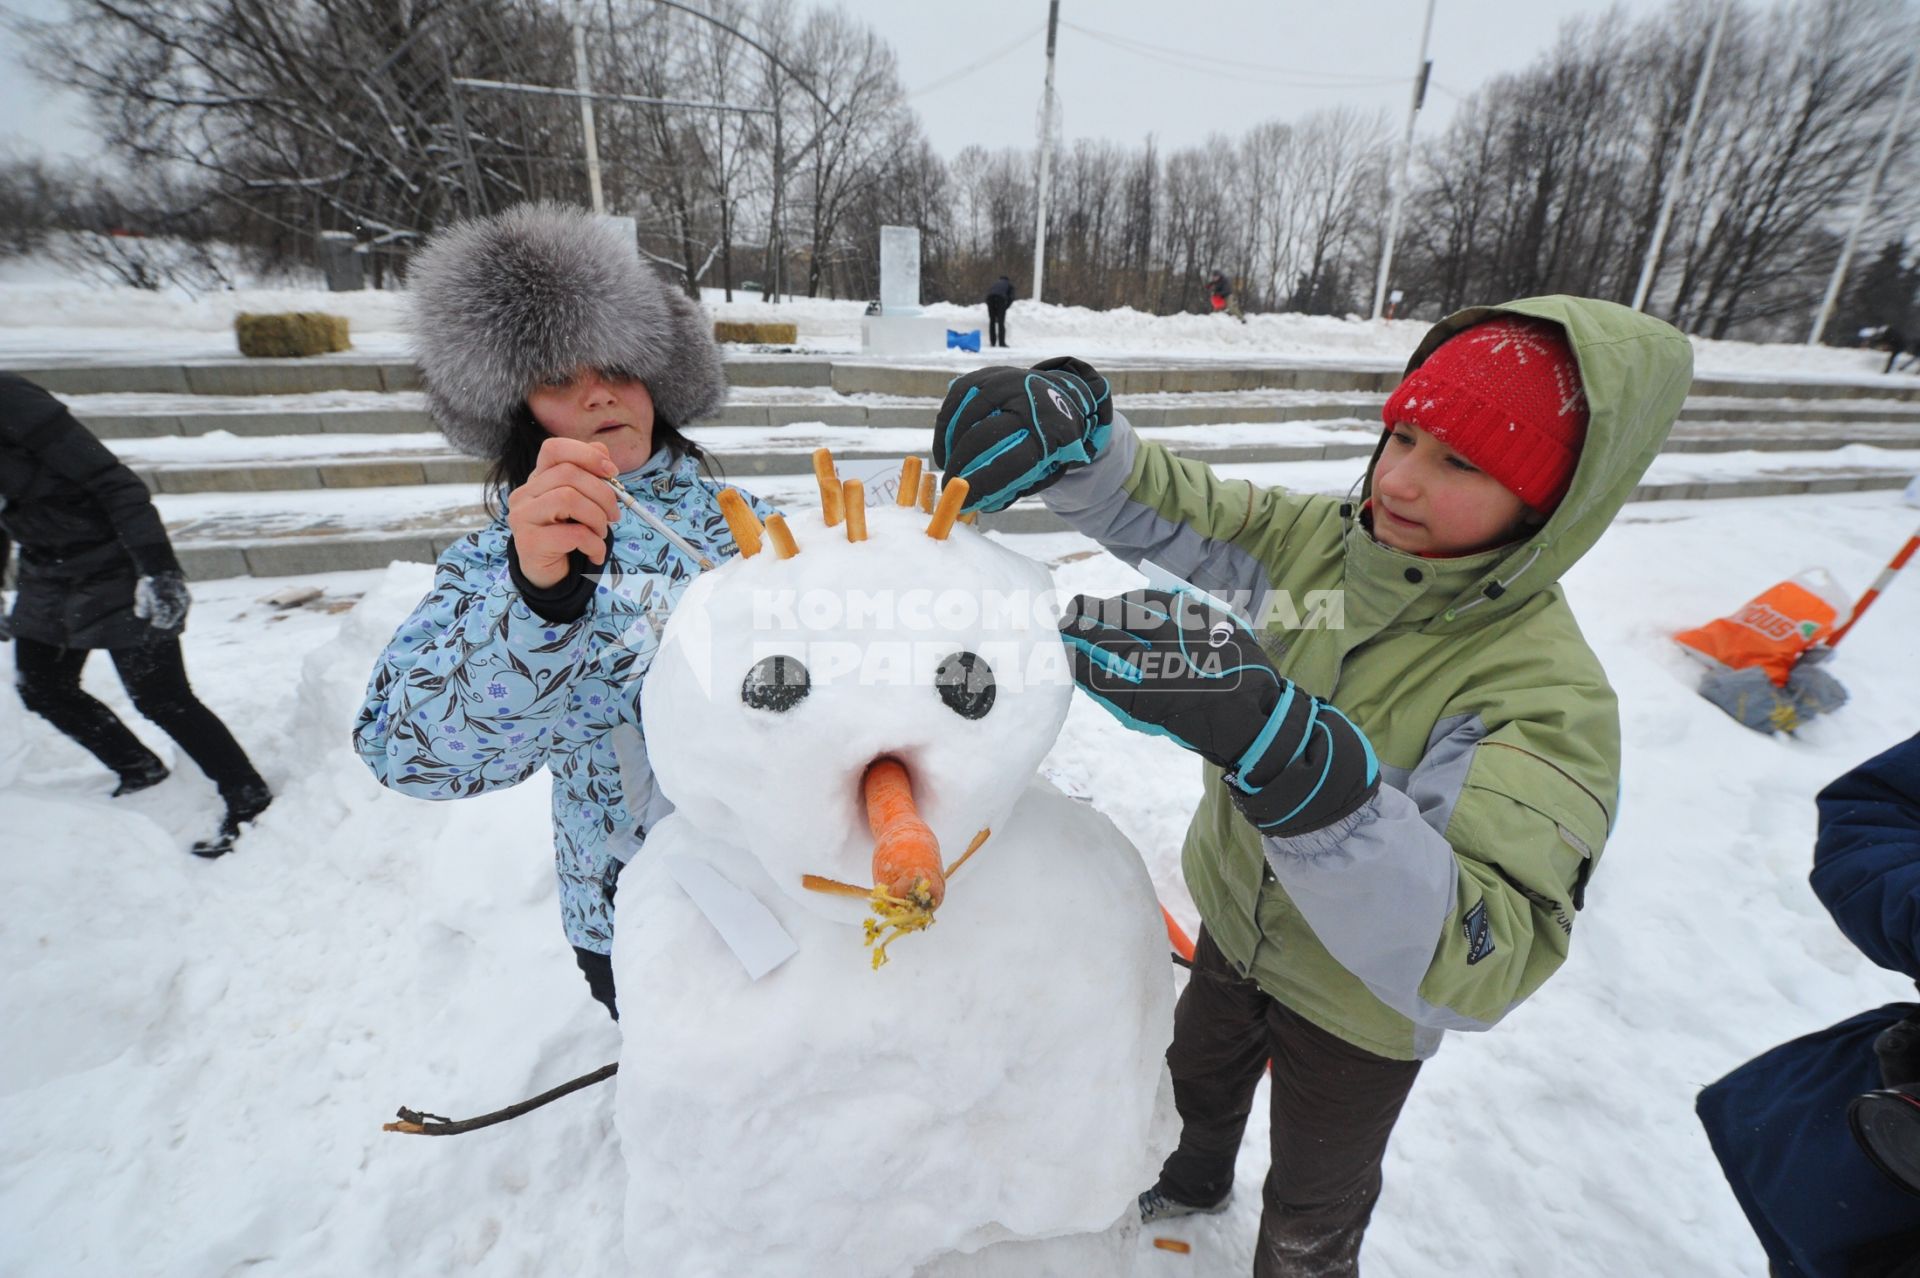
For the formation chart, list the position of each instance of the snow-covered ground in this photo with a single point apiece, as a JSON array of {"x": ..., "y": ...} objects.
[
  {"x": 45, "y": 317},
  {"x": 198, "y": 1055}
]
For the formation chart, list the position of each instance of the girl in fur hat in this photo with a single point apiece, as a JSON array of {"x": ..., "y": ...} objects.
[{"x": 549, "y": 349}]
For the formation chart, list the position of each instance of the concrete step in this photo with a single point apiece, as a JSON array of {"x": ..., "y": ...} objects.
[
  {"x": 289, "y": 534},
  {"x": 422, "y": 458},
  {"x": 357, "y": 420},
  {"x": 848, "y": 375},
  {"x": 319, "y": 373}
]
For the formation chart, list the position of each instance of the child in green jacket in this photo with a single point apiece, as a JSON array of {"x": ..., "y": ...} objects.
[{"x": 1412, "y": 756}]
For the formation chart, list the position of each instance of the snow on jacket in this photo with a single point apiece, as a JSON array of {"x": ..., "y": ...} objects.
[
  {"x": 1450, "y": 897},
  {"x": 477, "y": 692},
  {"x": 86, "y": 527},
  {"x": 1778, "y": 1123}
]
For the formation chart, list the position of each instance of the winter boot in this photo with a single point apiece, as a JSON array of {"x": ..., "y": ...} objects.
[
  {"x": 144, "y": 777},
  {"x": 242, "y": 807},
  {"x": 1155, "y": 1205}
]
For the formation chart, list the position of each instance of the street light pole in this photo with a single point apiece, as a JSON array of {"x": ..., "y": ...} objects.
[
  {"x": 586, "y": 117},
  {"x": 1821, "y": 316},
  {"x": 1424, "y": 69},
  {"x": 1679, "y": 177},
  {"x": 1046, "y": 155}
]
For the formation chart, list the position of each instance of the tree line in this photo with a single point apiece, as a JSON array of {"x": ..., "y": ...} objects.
[{"x": 761, "y": 144}]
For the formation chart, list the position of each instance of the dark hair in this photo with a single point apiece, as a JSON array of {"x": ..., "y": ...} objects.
[{"x": 521, "y": 452}]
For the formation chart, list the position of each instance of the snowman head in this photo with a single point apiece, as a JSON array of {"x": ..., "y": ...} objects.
[{"x": 853, "y": 635}]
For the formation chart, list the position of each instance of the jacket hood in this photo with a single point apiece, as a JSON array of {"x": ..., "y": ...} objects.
[{"x": 1636, "y": 371}]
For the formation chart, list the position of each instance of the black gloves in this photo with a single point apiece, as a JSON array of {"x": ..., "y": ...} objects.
[
  {"x": 1167, "y": 664},
  {"x": 161, "y": 601},
  {"x": 1010, "y": 431}
]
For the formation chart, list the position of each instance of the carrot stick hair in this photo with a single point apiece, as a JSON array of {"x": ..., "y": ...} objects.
[
  {"x": 909, "y": 482},
  {"x": 829, "y": 481},
  {"x": 741, "y": 521}
]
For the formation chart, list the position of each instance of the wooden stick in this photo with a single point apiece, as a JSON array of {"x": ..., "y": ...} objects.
[
  {"x": 833, "y": 887},
  {"x": 414, "y": 1123},
  {"x": 829, "y": 481},
  {"x": 926, "y": 493},
  {"x": 784, "y": 545},
  {"x": 741, "y": 521},
  {"x": 952, "y": 498},
  {"x": 853, "y": 494},
  {"x": 909, "y": 482},
  {"x": 972, "y": 847}
]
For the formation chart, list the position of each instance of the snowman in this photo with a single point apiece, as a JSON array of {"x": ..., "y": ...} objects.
[{"x": 888, "y": 998}]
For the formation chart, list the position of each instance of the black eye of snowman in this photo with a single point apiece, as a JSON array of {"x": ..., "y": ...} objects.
[
  {"x": 775, "y": 683},
  {"x": 965, "y": 681}
]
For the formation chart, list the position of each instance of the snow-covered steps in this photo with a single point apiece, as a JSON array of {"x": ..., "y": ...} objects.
[
  {"x": 346, "y": 371},
  {"x": 136, "y": 415},
  {"x": 222, "y": 462},
  {"x": 287, "y": 533},
  {"x": 847, "y": 375}
]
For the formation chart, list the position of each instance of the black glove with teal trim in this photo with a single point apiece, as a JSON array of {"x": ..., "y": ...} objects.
[
  {"x": 1176, "y": 667},
  {"x": 1013, "y": 431}
]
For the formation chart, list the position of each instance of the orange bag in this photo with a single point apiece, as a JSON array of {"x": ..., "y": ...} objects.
[{"x": 1773, "y": 628}]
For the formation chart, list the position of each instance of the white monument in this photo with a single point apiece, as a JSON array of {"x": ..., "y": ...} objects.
[{"x": 900, "y": 328}]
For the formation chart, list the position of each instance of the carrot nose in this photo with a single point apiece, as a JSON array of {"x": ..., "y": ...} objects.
[{"x": 906, "y": 855}]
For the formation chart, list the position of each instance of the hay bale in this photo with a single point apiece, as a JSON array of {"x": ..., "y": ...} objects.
[
  {"x": 290, "y": 333},
  {"x": 759, "y": 334}
]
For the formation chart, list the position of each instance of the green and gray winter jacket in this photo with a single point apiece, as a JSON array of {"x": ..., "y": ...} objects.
[{"x": 1449, "y": 897}]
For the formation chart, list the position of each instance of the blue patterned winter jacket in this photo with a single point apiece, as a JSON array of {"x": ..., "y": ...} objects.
[{"x": 475, "y": 691}]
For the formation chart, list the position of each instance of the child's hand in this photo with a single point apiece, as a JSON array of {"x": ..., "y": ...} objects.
[
  {"x": 1167, "y": 664},
  {"x": 1012, "y": 431},
  {"x": 565, "y": 505}
]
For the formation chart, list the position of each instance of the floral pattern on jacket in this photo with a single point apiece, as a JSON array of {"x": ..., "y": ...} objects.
[{"x": 475, "y": 691}]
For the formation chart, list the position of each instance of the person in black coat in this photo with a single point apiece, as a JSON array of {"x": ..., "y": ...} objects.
[
  {"x": 1820, "y": 1205},
  {"x": 999, "y": 298},
  {"x": 97, "y": 571}
]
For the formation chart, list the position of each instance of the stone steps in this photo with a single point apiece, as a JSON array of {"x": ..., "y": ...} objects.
[
  {"x": 390, "y": 489},
  {"x": 1291, "y": 442},
  {"x": 205, "y": 554},
  {"x": 855, "y": 413},
  {"x": 848, "y": 376}
]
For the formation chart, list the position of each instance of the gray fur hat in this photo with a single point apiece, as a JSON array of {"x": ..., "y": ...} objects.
[{"x": 503, "y": 303}]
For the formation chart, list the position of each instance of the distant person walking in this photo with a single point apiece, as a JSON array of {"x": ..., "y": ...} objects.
[
  {"x": 999, "y": 298},
  {"x": 1220, "y": 292},
  {"x": 97, "y": 571},
  {"x": 1895, "y": 344}
]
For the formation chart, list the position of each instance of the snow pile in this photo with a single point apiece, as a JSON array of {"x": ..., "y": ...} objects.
[
  {"x": 195, "y": 1058},
  {"x": 831, "y": 1117},
  {"x": 46, "y": 314}
]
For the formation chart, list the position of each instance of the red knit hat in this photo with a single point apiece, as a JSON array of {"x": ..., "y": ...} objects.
[{"x": 1504, "y": 394}]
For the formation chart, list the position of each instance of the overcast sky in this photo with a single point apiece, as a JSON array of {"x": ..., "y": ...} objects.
[{"x": 1178, "y": 69}]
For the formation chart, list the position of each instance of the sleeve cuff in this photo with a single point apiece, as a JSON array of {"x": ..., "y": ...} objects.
[
  {"x": 1315, "y": 844},
  {"x": 566, "y": 600},
  {"x": 1085, "y": 487}
]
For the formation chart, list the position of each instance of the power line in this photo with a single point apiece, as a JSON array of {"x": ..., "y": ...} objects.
[
  {"x": 1235, "y": 69},
  {"x": 971, "y": 67}
]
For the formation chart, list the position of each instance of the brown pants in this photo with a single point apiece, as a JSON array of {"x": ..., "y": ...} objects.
[{"x": 1333, "y": 1107}]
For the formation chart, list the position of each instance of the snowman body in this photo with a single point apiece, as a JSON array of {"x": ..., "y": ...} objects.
[{"x": 998, "y": 1078}]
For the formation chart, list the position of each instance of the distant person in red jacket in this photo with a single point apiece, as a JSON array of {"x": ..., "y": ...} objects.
[{"x": 1220, "y": 292}]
